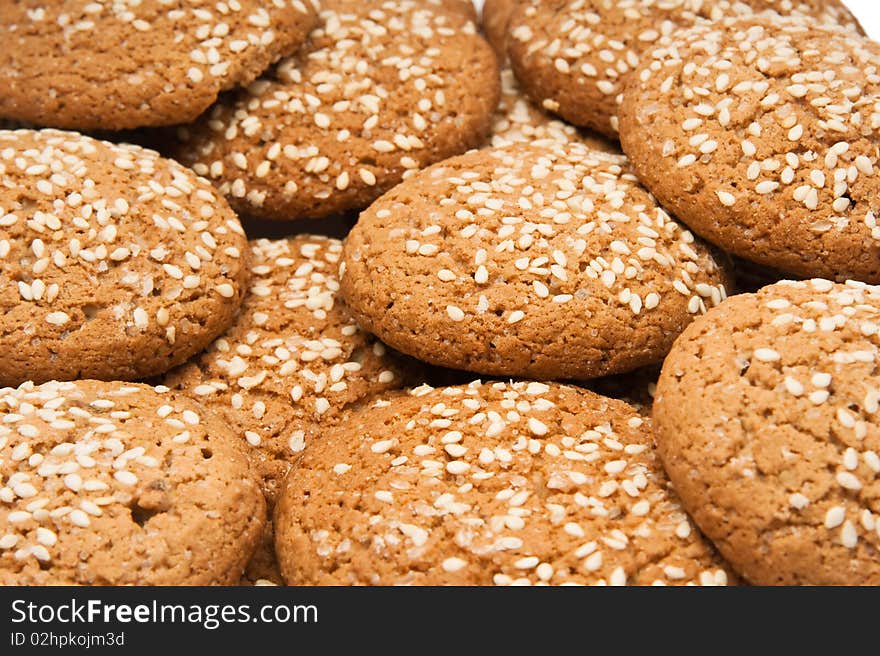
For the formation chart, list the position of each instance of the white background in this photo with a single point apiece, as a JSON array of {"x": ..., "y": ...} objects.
[{"x": 867, "y": 11}]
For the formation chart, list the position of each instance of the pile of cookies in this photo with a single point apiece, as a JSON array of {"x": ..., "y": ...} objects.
[{"x": 648, "y": 229}]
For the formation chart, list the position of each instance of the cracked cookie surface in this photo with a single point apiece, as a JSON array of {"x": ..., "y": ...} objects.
[
  {"x": 382, "y": 88},
  {"x": 116, "y": 263},
  {"x": 293, "y": 359},
  {"x": 573, "y": 57},
  {"x": 496, "y": 483},
  {"x": 546, "y": 261},
  {"x": 765, "y": 417},
  {"x": 121, "y": 484},
  {"x": 111, "y": 65},
  {"x": 764, "y": 138}
]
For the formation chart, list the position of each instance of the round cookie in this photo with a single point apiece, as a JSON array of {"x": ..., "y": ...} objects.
[
  {"x": 494, "y": 21},
  {"x": 546, "y": 261},
  {"x": 765, "y": 417},
  {"x": 293, "y": 359},
  {"x": 116, "y": 263},
  {"x": 95, "y": 64},
  {"x": 121, "y": 484},
  {"x": 381, "y": 90},
  {"x": 573, "y": 57},
  {"x": 517, "y": 120},
  {"x": 519, "y": 483},
  {"x": 765, "y": 139}
]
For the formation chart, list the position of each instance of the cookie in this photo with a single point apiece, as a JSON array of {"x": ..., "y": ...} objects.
[
  {"x": 467, "y": 8},
  {"x": 115, "y": 263},
  {"x": 573, "y": 57},
  {"x": 381, "y": 90},
  {"x": 765, "y": 418},
  {"x": 546, "y": 261},
  {"x": 765, "y": 139},
  {"x": 293, "y": 359},
  {"x": 517, "y": 120},
  {"x": 519, "y": 483},
  {"x": 95, "y": 64},
  {"x": 494, "y": 21},
  {"x": 121, "y": 484}
]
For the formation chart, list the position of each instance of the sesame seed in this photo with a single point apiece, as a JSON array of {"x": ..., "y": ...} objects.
[
  {"x": 528, "y": 562},
  {"x": 766, "y": 355},
  {"x": 455, "y": 313},
  {"x": 834, "y": 517},
  {"x": 848, "y": 481},
  {"x": 727, "y": 199},
  {"x": 454, "y": 564},
  {"x": 57, "y": 318},
  {"x": 126, "y": 478},
  {"x": 225, "y": 290},
  {"x": 766, "y": 187},
  {"x": 382, "y": 446},
  {"x": 79, "y": 518},
  {"x": 457, "y": 467},
  {"x": 537, "y": 427},
  {"x": 798, "y": 501},
  {"x": 793, "y": 386}
]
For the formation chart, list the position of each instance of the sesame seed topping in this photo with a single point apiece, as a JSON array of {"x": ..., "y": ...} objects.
[
  {"x": 525, "y": 234},
  {"x": 447, "y": 472},
  {"x": 589, "y": 49},
  {"x": 294, "y": 356},
  {"x": 358, "y": 108},
  {"x": 454, "y": 564},
  {"x": 455, "y": 313},
  {"x": 766, "y": 355},
  {"x": 215, "y": 45},
  {"x": 99, "y": 447},
  {"x": 798, "y": 501},
  {"x": 811, "y": 100},
  {"x": 150, "y": 237}
]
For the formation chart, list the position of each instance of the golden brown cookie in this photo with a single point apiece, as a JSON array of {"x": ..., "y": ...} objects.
[
  {"x": 519, "y": 483},
  {"x": 466, "y": 8},
  {"x": 494, "y": 20},
  {"x": 121, "y": 484},
  {"x": 382, "y": 89},
  {"x": 293, "y": 359},
  {"x": 96, "y": 64},
  {"x": 545, "y": 261},
  {"x": 518, "y": 120},
  {"x": 573, "y": 57},
  {"x": 114, "y": 262},
  {"x": 765, "y": 139},
  {"x": 765, "y": 418}
]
